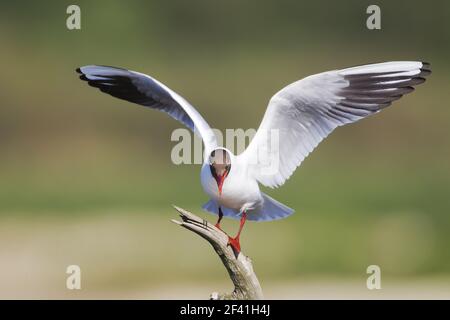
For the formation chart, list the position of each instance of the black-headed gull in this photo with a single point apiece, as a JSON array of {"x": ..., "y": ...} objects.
[{"x": 301, "y": 115}]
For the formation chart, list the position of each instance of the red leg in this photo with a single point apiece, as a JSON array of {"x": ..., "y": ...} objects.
[
  {"x": 234, "y": 242},
  {"x": 217, "y": 225}
]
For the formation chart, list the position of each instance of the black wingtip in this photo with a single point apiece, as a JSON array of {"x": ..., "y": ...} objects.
[
  {"x": 78, "y": 70},
  {"x": 426, "y": 68}
]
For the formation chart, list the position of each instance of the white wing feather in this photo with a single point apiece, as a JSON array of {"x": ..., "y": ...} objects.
[{"x": 305, "y": 112}]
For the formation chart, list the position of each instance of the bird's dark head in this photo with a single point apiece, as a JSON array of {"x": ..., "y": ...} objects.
[{"x": 220, "y": 166}]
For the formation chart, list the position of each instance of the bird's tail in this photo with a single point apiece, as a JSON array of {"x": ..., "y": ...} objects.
[
  {"x": 271, "y": 210},
  {"x": 213, "y": 207}
]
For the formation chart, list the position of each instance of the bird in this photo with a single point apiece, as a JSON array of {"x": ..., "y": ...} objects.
[{"x": 297, "y": 119}]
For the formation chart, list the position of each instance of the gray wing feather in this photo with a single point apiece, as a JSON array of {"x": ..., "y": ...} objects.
[{"x": 146, "y": 91}]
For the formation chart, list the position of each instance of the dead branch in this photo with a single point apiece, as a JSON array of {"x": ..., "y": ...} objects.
[{"x": 240, "y": 269}]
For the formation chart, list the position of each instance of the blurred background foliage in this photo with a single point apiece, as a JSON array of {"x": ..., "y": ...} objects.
[{"x": 87, "y": 179}]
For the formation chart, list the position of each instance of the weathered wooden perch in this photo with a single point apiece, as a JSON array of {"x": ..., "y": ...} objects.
[{"x": 240, "y": 269}]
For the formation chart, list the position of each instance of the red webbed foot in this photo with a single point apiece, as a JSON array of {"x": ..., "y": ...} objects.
[{"x": 235, "y": 244}]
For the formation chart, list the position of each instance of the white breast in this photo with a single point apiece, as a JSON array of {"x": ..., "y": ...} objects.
[{"x": 239, "y": 192}]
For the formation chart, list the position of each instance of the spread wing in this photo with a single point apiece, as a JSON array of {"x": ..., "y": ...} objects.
[
  {"x": 305, "y": 112},
  {"x": 149, "y": 92}
]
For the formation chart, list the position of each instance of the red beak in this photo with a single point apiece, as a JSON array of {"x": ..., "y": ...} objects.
[{"x": 220, "y": 180}]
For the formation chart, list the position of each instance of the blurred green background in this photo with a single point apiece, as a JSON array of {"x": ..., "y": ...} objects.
[{"x": 87, "y": 179}]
